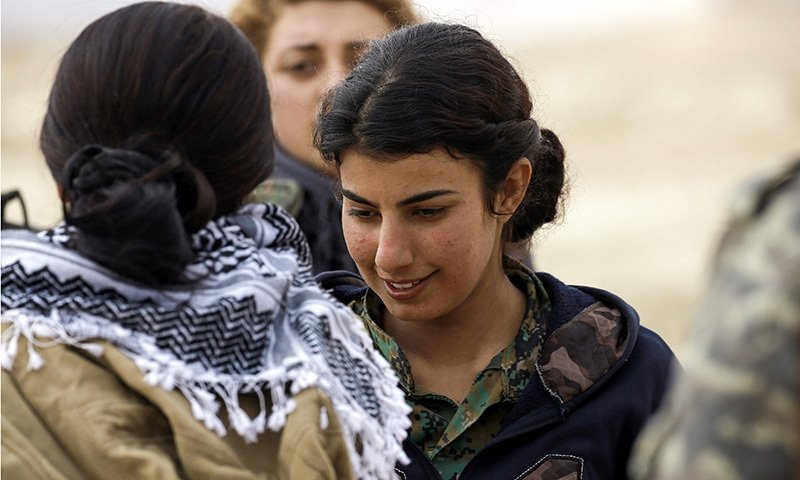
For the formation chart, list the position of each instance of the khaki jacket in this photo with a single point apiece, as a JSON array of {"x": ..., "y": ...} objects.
[{"x": 84, "y": 417}]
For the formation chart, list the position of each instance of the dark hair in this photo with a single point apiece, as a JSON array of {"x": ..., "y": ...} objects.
[
  {"x": 158, "y": 121},
  {"x": 436, "y": 85}
]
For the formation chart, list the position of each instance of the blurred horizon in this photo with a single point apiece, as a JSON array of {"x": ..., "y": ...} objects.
[{"x": 663, "y": 107}]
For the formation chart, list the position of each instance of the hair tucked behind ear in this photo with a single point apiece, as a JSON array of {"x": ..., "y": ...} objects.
[
  {"x": 163, "y": 112},
  {"x": 542, "y": 201},
  {"x": 435, "y": 85}
]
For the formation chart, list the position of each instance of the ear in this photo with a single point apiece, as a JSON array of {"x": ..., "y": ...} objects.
[{"x": 514, "y": 187}]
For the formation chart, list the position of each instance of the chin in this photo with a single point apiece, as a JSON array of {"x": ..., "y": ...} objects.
[{"x": 409, "y": 313}]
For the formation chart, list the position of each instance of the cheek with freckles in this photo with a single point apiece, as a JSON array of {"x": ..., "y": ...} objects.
[
  {"x": 360, "y": 244},
  {"x": 450, "y": 246},
  {"x": 465, "y": 236}
]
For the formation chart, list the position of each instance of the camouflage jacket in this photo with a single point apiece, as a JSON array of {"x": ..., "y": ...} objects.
[
  {"x": 734, "y": 413},
  {"x": 451, "y": 433},
  {"x": 598, "y": 377}
]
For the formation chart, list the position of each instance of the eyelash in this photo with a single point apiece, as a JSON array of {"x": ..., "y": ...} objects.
[
  {"x": 360, "y": 213},
  {"x": 424, "y": 213},
  {"x": 304, "y": 68},
  {"x": 429, "y": 212}
]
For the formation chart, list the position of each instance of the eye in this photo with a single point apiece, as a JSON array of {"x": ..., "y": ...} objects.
[
  {"x": 302, "y": 68},
  {"x": 361, "y": 213},
  {"x": 429, "y": 212}
]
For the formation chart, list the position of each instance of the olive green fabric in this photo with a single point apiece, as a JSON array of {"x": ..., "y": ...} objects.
[{"x": 81, "y": 417}]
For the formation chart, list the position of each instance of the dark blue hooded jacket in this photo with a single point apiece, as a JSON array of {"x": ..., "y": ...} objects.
[{"x": 560, "y": 428}]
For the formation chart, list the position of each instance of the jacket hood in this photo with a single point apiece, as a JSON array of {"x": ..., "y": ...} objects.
[
  {"x": 593, "y": 392},
  {"x": 590, "y": 334}
]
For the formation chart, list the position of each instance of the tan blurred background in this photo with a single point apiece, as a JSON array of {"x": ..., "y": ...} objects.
[{"x": 664, "y": 107}]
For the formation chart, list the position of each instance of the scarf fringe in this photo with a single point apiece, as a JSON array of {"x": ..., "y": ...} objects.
[
  {"x": 255, "y": 268},
  {"x": 204, "y": 390}
]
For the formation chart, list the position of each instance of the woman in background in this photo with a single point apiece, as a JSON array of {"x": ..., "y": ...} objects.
[
  {"x": 165, "y": 331},
  {"x": 510, "y": 373},
  {"x": 306, "y": 46}
]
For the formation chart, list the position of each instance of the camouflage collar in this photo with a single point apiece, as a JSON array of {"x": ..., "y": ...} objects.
[
  {"x": 369, "y": 308},
  {"x": 517, "y": 361}
]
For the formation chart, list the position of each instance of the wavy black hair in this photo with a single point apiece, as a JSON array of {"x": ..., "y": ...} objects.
[{"x": 437, "y": 85}]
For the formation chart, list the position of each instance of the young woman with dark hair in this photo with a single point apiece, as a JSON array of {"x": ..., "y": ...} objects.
[
  {"x": 510, "y": 373},
  {"x": 163, "y": 313}
]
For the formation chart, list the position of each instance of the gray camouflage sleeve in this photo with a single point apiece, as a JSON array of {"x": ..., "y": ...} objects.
[{"x": 734, "y": 411}]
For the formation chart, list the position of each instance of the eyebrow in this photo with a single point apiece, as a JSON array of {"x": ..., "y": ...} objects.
[
  {"x": 310, "y": 47},
  {"x": 420, "y": 197},
  {"x": 357, "y": 44},
  {"x": 306, "y": 47}
]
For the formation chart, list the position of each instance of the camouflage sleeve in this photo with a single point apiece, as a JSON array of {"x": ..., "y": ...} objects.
[
  {"x": 734, "y": 411},
  {"x": 284, "y": 192}
]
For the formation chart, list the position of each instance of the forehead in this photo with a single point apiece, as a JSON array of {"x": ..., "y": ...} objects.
[
  {"x": 408, "y": 175},
  {"x": 325, "y": 24}
]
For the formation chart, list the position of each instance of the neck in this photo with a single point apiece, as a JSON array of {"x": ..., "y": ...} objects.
[
  {"x": 471, "y": 337},
  {"x": 313, "y": 162}
]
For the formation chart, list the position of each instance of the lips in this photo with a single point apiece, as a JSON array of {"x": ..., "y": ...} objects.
[
  {"x": 404, "y": 289},
  {"x": 404, "y": 286}
]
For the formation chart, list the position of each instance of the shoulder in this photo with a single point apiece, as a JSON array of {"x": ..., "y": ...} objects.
[
  {"x": 69, "y": 391},
  {"x": 757, "y": 269},
  {"x": 69, "y": 385},
  {"x": 29, "y": 448},
  {"x": 609, "y": 316},
  {"x": 314, "y": 414},
  {"x": 742, "y": 355},
  {"x": 313, "y": 443},
  {"x": 600, "y": 346},
  {"x": 764, "y": 194},
  {"x": 653, "y": 349},
  {"x": 17, "y": 239},
  {"x": 38, "y": 249},
  {"x": 765, "y": 213},
  {"x": 651, "y": 366},
  {"x": 764, "y": 222},
  {"x": 595, "y": 339},
  {"x": 284, "y": 192}
]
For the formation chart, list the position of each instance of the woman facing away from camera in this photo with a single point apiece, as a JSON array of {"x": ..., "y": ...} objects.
[
  {"x": 164, "y": 330},
  {"x": 510, "y": 373},
  {"x": 305, "y": 47}
]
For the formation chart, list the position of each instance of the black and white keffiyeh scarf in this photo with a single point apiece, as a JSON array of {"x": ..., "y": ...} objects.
[{"x": 255, "y": 322}]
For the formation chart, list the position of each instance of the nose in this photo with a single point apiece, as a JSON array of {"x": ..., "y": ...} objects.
[
  {"x": 394, "y": 248},
  {"x": 338, "y": 71}
]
